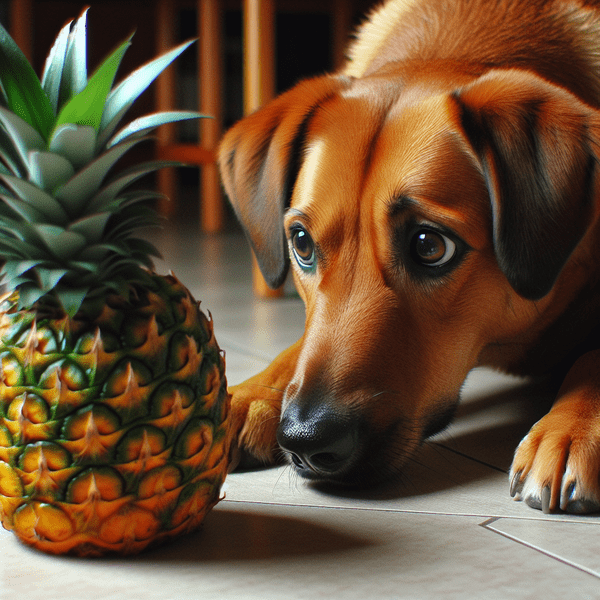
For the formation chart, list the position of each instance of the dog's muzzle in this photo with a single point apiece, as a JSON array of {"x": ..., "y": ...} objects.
[{"x": 322, "y": 442}]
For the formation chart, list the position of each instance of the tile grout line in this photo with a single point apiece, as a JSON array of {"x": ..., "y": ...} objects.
[
  {"x": 481, "y": 462},
  {"x": 382, "y": 510},
  {"x": 352, "y": 508},
  {"x": 489, "y": 519},
  {"x": 486, "y": 525}
]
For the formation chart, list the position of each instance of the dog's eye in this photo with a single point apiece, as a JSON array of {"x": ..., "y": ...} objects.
[
  {"x": 303, "y": 247},
  {"x": 432, "y": 249}
]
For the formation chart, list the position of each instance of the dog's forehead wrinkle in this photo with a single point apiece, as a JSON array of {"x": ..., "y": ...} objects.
[
  {"x": 399, "y": 203},
  {"x": 356, "y": 120},
  {"x": 357, "y": 114}
]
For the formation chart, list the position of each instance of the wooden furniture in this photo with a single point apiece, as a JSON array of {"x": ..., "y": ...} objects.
[
  {"x": 259, "y": 70},
  {"x": 259, "y": 85},
  {"x": 210, "y": 78}
]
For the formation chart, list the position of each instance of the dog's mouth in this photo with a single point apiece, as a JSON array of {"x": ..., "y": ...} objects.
[{"x": 352, "y": 455}]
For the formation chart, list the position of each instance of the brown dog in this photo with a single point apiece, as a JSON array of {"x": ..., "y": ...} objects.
[{"x": 439, "y": 201}]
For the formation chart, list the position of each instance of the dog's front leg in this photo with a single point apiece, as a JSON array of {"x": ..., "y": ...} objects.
[
  {"x": 557, "y": 465},
  {"x": 256, "y": 409}
]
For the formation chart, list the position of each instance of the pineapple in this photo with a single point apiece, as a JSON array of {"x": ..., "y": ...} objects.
[{"x": 113, "y": 400}]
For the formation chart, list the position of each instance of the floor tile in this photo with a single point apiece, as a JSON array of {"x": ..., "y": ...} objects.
[
  {"x": 561, "y": 540},
  {"x": 437, "y": 482},
  {"x": 239, "y": 364},
  {"x": 495, "y": 413},
  {"x": 283, "y": 552}
]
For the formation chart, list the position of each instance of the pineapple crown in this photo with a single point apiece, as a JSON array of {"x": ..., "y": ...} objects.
[{"x": 66, "y": 229}]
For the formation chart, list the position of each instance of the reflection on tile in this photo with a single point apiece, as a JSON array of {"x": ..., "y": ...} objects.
[
  {"x": 291, "y": 552},
  {"x": 561, "y": 540}
]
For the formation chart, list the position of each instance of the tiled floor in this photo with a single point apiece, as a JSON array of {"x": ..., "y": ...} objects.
[{"x": 448, "y": 531}]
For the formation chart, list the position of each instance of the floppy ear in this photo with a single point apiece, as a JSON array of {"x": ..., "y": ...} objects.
[
  {"x": 259, "y": 159},
  {"x": 535, "y": 142}
]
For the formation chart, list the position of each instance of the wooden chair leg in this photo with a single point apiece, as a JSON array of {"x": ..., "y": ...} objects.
[
  {"x": 259, "y": 84},
  {"x": 165, "y": 101},
  {"x": 21, "y": 29},
  {"x": 211, "y": 85}
]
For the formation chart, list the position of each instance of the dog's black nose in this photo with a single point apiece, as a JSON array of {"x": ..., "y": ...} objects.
[{"x": 321, "y": 441}]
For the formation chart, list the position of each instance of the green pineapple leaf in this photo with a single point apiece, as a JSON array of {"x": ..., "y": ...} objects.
[
  {"x": 75, "y": 193},
  {"x": 137, "y": 196},
  {"x": 107, "y": 196},
  {"x": 14, "y": 269},
  {"x": 22, "y": 137},
  {"x": 143, "y": 125},
  {"x": 125, "y": 265},
  {"x": 76, "y": 143},
  {"x": 13, "y": 164},
  {"x": 74, "y": 77},
  {"x": 90, "y": 267},
  {"x": 20, "y": 249},
  {"x": 22, "y": 88},
  {"x": 94, "y": 254},
  {"x": 29, "y": 294},
  {"x": 71, "y": 298},
  {"x": 87, "y": 107},
  {"x": 43, "y": 203},
  {"x": 143, "y": 248},
  {"x": 126, "y": 93},
  {"x": 48, "y": 170},
  {"x": 20, "y": 230},
  {"x": 91, "y": 227},
  {"x": 129, "y": 221},
  {"x": 23, "y": 209},
  {"x": 49, "y": 278},
  {"x": 52, "y": 74},
  {"x": 63, "y": 244},
  {"x": 66, "y": 228}
]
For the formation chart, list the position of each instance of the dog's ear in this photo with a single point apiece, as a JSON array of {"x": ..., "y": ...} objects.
[
  {"x": 537, "y": 147},
  {"x": 259, "y": 159}
]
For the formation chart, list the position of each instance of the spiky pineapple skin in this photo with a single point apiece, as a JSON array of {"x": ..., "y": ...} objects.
[{"x": 113, "y": 425}]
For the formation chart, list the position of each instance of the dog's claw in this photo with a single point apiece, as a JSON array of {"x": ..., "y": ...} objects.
[
  {"x": 538, "y": 499},
  {"x": 576, "y": 503},
  {"x": 546, "y": 497},
  {"x": 572, "y": 500},
  {"x": 516, "y": 485},
  {"x": 546, "y": 457}
]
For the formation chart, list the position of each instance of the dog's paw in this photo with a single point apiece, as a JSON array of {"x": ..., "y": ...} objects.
[
  {"x": 255, "y": 412},
  {"x": 557, "y": 466}
]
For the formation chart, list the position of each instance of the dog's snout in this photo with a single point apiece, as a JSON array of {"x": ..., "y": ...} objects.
[{"x": 321, "y": 441}]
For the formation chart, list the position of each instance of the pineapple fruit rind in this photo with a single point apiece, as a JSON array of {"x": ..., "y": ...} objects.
[
  {"x": 111, "y": 448},
  {"x": 114, "y": 411}
]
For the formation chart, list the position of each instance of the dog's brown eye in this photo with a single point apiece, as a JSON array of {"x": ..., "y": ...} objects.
[
  {"x": 304, "y": 248},
  {"x": 432, "y": 249}
]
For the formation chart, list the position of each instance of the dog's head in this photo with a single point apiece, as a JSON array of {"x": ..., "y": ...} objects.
[{"x": 428, "y": 223}]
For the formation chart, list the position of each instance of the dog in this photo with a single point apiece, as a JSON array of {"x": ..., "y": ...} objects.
[{"x": 438, "y": 200}]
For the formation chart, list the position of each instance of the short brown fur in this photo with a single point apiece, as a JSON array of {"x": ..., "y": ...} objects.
[{"x": 474, "y": 124}]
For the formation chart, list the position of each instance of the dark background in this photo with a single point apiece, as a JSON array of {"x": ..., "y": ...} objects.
[{"x": 303, "y": 48}]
